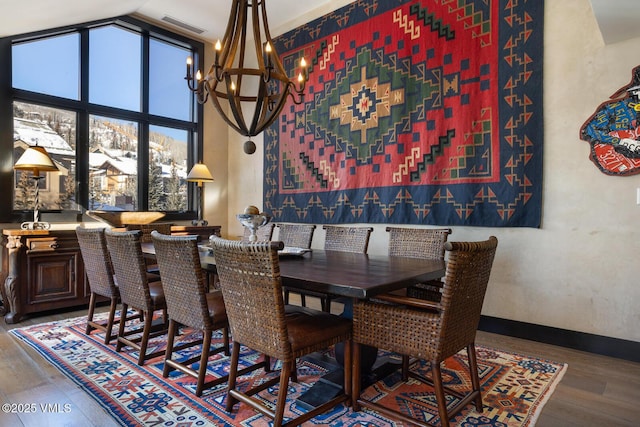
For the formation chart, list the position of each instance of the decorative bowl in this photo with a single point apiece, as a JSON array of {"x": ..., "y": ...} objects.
[{"x": 253, "y": 222}]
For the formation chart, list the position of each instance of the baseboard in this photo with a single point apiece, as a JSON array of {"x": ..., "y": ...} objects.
[{"x": 598, "y": 344}]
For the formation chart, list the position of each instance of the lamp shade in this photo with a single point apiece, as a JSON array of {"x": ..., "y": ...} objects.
[
  {"x": 35, "y": 159},
  {"x": 199, "y": 173}
]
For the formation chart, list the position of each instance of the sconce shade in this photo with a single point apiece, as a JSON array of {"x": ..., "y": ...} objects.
[
  {"x": 199, "y": 173},
  {"x": 35, "y": 159}
]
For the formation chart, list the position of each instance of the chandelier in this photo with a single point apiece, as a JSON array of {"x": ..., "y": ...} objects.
[{"x": 247, "y": 82}]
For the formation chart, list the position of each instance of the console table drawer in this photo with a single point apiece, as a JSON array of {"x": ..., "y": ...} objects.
[{"x": 42, "y": 244}]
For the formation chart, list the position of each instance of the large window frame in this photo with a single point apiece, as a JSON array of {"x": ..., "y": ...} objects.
[{"x": 84, "y": 109}]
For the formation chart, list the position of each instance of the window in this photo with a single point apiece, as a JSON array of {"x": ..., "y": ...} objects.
[
  {"x": 61, "y": 56},
  {"x": 115, "y": 51},
  {"x": 112, "y": 109}
]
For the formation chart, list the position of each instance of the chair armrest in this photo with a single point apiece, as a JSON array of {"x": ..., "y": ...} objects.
[{"x": 411, "y": 302}]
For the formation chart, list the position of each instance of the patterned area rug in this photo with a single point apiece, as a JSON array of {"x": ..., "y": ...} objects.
[{"x": 515, "y": 387}]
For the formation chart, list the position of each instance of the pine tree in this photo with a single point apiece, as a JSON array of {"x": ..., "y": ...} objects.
[
  {"x": 156, "y": 187},
  {"x": 176, "y": 200},
  {"x": 24, "y": 192}
]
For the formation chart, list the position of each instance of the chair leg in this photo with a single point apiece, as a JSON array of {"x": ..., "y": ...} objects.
[
  {"x": 355, "y": 377},
  {"x": 169, "y": 350},
  {"x": 282, "y": 393},
  {"x": 144, "y": 342},
  {"x": 473, "y": 373},
  {"x": 204, "y": 358},
  {"x": 110, "y": 320},
  {"x": 325, "y": 303},
  {"x": 303, "y": 300},
  {"x": 233, "y": 373},
  {"x": 405, "y": 368},
  {"x": 225, "y": 337},
  {"x": 92, "y": 306},
  {"x": 348, "y": 366},
  {"x": 123, "y": 321},
  {"x": 440, "y": 396}
]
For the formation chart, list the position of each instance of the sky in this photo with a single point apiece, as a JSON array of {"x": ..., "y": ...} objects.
[{"x": 52, "y": 66}]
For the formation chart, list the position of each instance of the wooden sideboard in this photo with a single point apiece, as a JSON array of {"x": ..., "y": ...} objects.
[{"x": 42, "y": 270}]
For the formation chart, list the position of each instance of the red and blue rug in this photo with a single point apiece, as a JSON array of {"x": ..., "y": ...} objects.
[{"x": 515, "y": 387}]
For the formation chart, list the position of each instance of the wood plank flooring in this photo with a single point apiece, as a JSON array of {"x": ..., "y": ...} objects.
[{"x": 595, "y": 391}]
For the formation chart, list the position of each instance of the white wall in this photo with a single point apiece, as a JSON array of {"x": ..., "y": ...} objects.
[{"x": 579, "y": 271}]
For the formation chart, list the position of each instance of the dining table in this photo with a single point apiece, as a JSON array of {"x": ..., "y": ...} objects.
[{"x": 341, "y": 274}]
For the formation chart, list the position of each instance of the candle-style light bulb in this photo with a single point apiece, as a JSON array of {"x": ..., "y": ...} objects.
[
  {"x": 233, "y": 87},
  {"x": 189, "y": 64},
  {"x": 267, "y": 49},
  {"x": 303, "y": 73},
  {"x": 198, "y": 75},
  {"x": 217, "y": 49}
]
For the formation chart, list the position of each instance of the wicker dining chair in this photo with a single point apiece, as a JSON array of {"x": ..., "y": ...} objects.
[
  {"x": 264, "y": 233},
  {"x": 426, "y": 243},
  {"x": 146, "y": 229},
  {"x": 347, "y": 239},
  {"x": 190, "y": 304},
  {"x": 136, "y": 291},
  {"x": 297, "y": 236},
  {"x": 97, "y": 265},
  {"x": 344, "y": 239},
  {"x": 430, "y": 331},
  {"x": 259, "y": 319}
]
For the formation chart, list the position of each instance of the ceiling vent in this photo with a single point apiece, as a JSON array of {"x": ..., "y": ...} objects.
[{"x": 182, "y": 25}]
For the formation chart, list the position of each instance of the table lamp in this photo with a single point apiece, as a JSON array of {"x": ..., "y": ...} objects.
[
  {"x": 200, "y": 174},
  {"x": 35, "y": 159}
]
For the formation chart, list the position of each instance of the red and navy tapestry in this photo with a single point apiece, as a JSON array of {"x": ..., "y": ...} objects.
[{"x": 415, "y": 112}]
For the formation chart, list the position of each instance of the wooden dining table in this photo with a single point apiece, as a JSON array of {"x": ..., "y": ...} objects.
[
  {"x": 345, "y": 274},
  {"x": 348, "y": 274}
]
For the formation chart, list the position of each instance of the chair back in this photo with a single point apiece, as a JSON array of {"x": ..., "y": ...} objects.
[
  {"x": 264, "y": 233},
  {"x": 146, "y": 229},
  {"x": 465, "y": 285},
  {"x": 129, "y": 267},
  {"x": 252, "y": 290},
  {"x": 426, "y": 243},
  {"x": 183, "y": 279},
  {"x": 347, "y": 239},
  {"x": 296, "y": 235},
  {"x": 97, "y": 262}
]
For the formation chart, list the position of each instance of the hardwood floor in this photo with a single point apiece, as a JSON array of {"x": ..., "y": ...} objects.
[{"x": 595, "y": 391}]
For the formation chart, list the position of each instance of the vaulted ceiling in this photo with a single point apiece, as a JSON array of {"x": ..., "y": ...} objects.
[{"x": 618, "y": 20}]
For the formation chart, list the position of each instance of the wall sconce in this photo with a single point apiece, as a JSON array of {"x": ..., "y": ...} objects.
[
  {"x": 35, "y": 159},
  {"x": 200, "y": 174}
]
